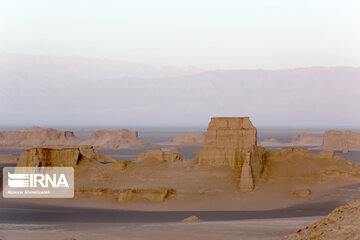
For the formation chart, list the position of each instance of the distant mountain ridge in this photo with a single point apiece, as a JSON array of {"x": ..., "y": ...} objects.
[{"x": 63, "y": 91}]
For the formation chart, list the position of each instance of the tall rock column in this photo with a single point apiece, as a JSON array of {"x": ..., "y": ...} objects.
[{"x": 227, "y": 143}]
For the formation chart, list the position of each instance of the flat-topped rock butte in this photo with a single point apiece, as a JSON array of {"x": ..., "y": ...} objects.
[
  {"x": 40, "y": 137},
  {"x": 341, "y": 139},
  {"x": 189, "y": 139}
]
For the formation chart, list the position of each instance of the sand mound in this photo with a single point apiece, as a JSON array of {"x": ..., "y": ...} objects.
[{"x": 299, "y": 163}]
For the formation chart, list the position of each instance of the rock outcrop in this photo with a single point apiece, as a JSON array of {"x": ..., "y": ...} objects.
[
  {"x": 60, "y": 157},
  {"x": 152, "y": 195},
  {"x": 342, "y": 224},
  {"x": 303, "y": 139},
  {"x": 115, "y": 139},
  {"x": 160, "y": 155},
  {"x": 337, "y": 139},
  {"x": 189, "y": 139},
  {"x": 228, "y": 142},
  {"x": 192, "y": 219},
  {"x": 39, "y": 137},
  {"x": 155, "y": 195},
  {"x": 302, "y": 193}
]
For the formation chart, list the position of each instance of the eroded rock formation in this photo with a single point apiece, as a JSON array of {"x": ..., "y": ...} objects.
[
  {"x": 343, "y": 223},
  {"x": 307, "y": 140},
  {"x": 114, "y": 139},
  {"x": 303, "y": 139},
  {"x": 60, "y": 157},
  {"x": 39, "y": 137},
  {"x": 228, "y": 142},
  {"x": 302, "y": 193},
  {"x": 337, "y": 139},
  {"x": 189, "y": 139},
  {"x": 153, "y": 195},
  {"x": 192, "y": 219},
  {"x": 36, "y": 137},
  {"x": 130, "y": 194},
  {"x": 229, "y": 160},
  {"x": 246, "y": 177},
  {"x": 160, "y": 154}
]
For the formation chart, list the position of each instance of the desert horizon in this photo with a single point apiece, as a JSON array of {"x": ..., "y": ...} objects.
[{"x": 124, "y": 120}]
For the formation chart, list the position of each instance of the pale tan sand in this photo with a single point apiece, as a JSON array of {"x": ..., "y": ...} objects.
[{"x": 268, "y": 229}]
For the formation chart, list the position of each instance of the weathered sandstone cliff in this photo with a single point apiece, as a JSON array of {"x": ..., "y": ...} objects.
[
  {"x": 231, "y": 141},
  {"x": 36, "y": 137},
  {"x": 339, "y": 140},
  {"x": 60, "y": 157},
  {"x": 189, "y": 139},
  {"x": 307, "y": 140},
  {"x": 303, "y": 139},
  {"x": 114, "y": 139},
  {"x": 39, "y": 137},
  {"x": 342, "y": 224},
  {"x": 160, "y": 154}
]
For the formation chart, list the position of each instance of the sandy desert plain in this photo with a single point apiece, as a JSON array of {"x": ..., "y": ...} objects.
[{"x": 228, "y": 182}]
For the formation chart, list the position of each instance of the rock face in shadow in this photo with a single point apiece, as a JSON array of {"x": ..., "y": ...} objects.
[
  {"x": 115, "y": 139},
  {"x": 228, "y": 142},
  {"x": 338, "y": 139},
  {"x": 60, "y": 157},
  {"x": 39, "y": 137},
  {"x": 343, "y": 223}
]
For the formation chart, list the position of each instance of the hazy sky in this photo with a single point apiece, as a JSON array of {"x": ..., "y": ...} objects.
[{"x": 209, "y": 34}]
